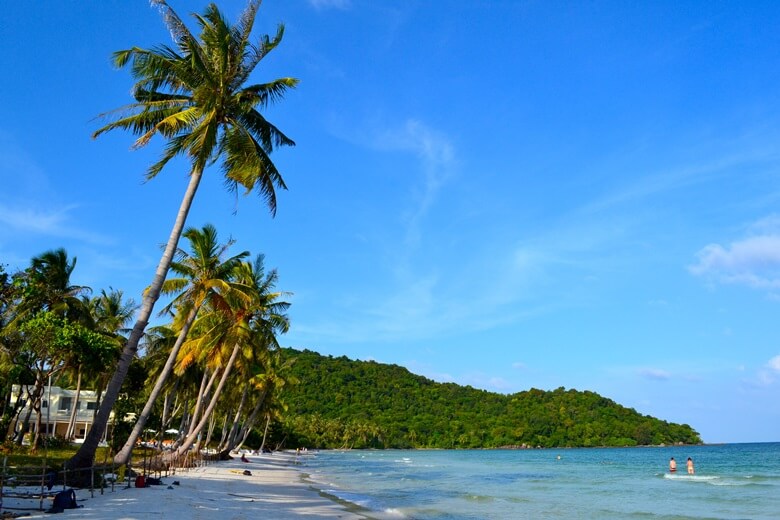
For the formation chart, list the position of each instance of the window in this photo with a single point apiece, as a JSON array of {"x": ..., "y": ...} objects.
[
  {"x": 44, "y": 404},
  {"x": 65, "y": 403},
  {"x": 91, "y": 405}
]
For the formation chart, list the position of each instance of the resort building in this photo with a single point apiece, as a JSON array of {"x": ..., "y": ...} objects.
[{"x": 56, "y": 408}]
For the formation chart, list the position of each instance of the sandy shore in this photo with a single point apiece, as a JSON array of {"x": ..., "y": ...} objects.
[{"x": 219, "y": 491}]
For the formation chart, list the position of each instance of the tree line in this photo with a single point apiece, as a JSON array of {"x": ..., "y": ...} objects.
[
  {"x": 211, "y": 373},
  {"x": 342, "y": 403}
]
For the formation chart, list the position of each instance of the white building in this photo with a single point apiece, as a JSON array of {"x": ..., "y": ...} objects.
[{"x": 56, "y": 407}]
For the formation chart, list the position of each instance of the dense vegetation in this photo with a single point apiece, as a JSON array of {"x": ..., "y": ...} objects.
[{"x": 344, "y": 403}]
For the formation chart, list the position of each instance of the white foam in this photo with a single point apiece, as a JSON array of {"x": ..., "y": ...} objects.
[{"x": 701, "y": 478}]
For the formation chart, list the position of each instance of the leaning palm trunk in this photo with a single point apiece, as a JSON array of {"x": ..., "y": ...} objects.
[
  {"x": 236, "y": 420},
  {"x": 224, "y": 437},
  {"x": 188, "y": 442},
  {"x": 201, "y": 402},
  {"x": 265, "y": 431},
  {"x": 86, "y": 453},
  {"x": 248, "y": 424},
  {"x": 69, "y": 434},
  {"x": 202, "y": 396},
  {"x": 166, "y": 411},
  {"x": 99, "y": 393},
  {"x": 212, "y": 424},
  {"x": 183, "y": 424},
  {"x": 124, "y": 454}
]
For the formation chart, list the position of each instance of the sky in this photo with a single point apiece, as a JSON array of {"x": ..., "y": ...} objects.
[{"x": 502, "y": 194}]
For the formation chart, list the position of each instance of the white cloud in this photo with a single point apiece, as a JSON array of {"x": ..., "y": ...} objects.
[
  {"x": 754, "y": 262},
  {"x": 519, "y": 366},
  {"x": 766, "y": 375}
]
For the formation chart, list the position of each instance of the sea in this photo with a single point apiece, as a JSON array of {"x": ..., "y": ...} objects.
[{"x": 731, "y": 481}]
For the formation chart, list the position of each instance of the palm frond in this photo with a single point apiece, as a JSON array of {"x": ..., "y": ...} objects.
[
  {"x": 252, "y": 55},
  {"x": 191, "y": 95},
  {"x": 266, "y": 94},
  {"x": 179, "y": 32}
]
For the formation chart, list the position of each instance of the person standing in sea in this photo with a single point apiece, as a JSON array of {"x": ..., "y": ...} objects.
[
  {"x": 672, "y": 465},
  {"x": 690, "y": 466}
]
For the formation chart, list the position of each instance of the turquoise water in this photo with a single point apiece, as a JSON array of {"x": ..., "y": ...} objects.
[{"x": 733, "y": 481}]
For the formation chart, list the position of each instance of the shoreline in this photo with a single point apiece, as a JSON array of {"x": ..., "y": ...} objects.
[{"x": 276, "y": 488}]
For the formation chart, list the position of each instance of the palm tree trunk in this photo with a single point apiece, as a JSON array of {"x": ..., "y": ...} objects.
[
  {"x": 265, "y": 431},
  {"x": 99, "y": 394},
  {"x": 185, "y": 416},
  {"x": 85, "y": 456},
  {"x": 123, "y": 455},
  {"x": 197, "y": 445},
  {"x": 212, "y": 423},
  {"x": 249, "y": 423},
  {"x": 72, "y": 421},
  {"x": 202, "y": 396},
  {"x": 236, "y": 420},
  {"x": 166, "y": 411},
  {"x": 217, "y": 392},
  {"x": 223, "y": 440}
]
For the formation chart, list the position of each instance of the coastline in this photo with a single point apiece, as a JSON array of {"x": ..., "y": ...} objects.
[{"x": 277, "y": 488}]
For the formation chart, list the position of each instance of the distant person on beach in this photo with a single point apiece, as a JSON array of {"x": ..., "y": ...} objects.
[
  {"x": 672, "y": 465},
  {"x": 243, "y": 458},
  {"x": 690, "y": 466}
]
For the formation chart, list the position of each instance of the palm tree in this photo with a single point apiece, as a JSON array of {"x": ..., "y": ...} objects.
[
  {"x": 268, "y": 382},
  {"x": 47, "y": 287},
  {"x": 246, "y": 328},
  {"x": 204, "y": 278},
  {"x": 48, "y": 303},
  {"x": 195, "y": 96},
  {"x": 109, "y": 313}
]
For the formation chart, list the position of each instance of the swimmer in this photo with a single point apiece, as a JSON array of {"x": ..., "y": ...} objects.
[{"x": 672, "y": 465}]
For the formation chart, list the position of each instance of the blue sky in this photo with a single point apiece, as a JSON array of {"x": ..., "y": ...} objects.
[{"x": 501, "y": 194}]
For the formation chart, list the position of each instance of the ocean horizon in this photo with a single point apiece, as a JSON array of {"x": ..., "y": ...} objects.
[{"x": 731, "y": 481}]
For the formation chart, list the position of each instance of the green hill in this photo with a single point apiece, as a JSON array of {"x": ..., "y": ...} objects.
[{"x": 340, "y": 402}]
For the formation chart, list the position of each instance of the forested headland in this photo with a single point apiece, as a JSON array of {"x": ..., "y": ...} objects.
[{"x": 343, "y": 403}]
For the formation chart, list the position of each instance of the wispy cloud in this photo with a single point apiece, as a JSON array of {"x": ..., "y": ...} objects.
[
  {"x": 656, "y": 374},
  {"x": 765, "y": 376},
  {"x": 774, "y": 364},
  {"x": 330, "y": 4},
  {"x": 56, "y": 223},
  {"x": 753, "y": 261},
  {"x": 437, "y": 159}
]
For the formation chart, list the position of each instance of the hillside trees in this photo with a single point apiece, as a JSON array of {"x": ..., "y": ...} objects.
[{"x": 338, "y": 398}]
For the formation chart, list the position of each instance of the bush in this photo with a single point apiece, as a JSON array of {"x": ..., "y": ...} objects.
[{"x": 55, "y": 442}]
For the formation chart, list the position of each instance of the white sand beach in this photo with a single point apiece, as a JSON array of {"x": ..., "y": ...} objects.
[{"x": 218, "y": 491}]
